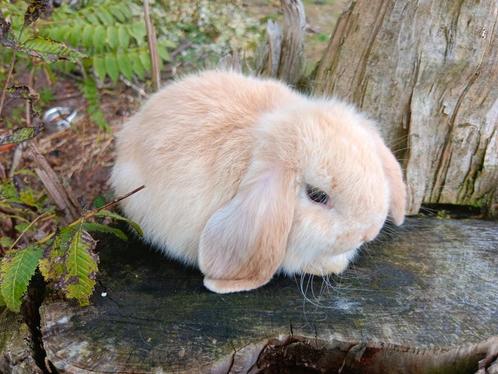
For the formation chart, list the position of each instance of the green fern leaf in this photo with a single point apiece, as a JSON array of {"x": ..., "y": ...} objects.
[
  {"x": 105, "y": 17},
  {"x": 16, "y": 270},
  {"x": 50, "y": 49},
  {"x": 117, "y": 13},
  {"x": 87, "y": 36},
  {"x": 2, "y": 301},
  {"x": 117, "y": 217},
  {"x": 163, "y": 53},
  {"x": 91, "y": 94},
  {"x": 124, "y": 65},
  {"x": 73, "y": 36},
  {"x": 99, "y": 67},
  {"x": 144, "y": 57},
  {"x": 112, "y": 37},
  {"x": 99, "y": 37},
  {"x": 88, "y": 14},
  {"x": 124, "y": 37},
  {"x": 81, "y": 267},
  {"x": 111, "y": 66},
  {"x": 98, "y": 227},
  {"x": 99, "y": 119},
  {"x": 137, "y": 67},
  {"x": 125, "y": 11},
  {"x": 137, "y": 30}
]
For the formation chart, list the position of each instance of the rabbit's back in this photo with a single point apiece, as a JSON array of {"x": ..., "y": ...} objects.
[{"x": 189, "y": 145}]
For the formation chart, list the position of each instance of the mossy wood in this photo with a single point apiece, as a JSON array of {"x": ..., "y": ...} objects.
[
  {"x": 428, "y": 72},
  {"x": 423, "y": 297}
]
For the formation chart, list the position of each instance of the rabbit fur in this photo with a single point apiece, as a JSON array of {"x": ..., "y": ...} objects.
[{"x": 227, "y": 161}]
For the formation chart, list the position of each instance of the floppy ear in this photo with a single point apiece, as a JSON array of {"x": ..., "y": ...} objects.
[
  {"x": 244, "y": 242},
  {"x": 397, "y": 187}
]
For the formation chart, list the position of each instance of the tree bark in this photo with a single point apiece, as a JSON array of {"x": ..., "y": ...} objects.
[{"x": 427, "y": 71}]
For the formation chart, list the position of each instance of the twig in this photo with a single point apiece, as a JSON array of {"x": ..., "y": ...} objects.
[
  {"x": 109, "y": 204},
  {"x": 152, "y": 41},
  {"x": 133, "y": 86},
  {"x": 93, "y": 212},
  {"x": 7, "y": 80},
  {"x": 16, "y": 159},
  {"x": 29, "y": 226},
  {"x": 59, "y": 194}
]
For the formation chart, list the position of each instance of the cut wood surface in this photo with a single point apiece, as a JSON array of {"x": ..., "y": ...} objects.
[
  {"x": 412, "y": 299},
  {"x": 428, "y": 72}
]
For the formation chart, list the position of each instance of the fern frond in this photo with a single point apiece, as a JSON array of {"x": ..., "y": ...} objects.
[
  {"x": 16, "y": 270},
  {"x": 52, "y": 50},
  {"x": 92, "y": 96}
]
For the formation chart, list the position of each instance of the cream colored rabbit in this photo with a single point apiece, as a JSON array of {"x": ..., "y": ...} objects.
[{"x": 245, "y": 177}]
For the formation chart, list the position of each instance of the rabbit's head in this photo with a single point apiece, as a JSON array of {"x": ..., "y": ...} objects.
[{"x": 320, "y": 183}]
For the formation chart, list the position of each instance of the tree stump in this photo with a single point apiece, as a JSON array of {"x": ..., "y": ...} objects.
[
  {"x": 428, "y": 72},
  {"x": 422, "y": 297},
  {"x": 16, "y": 354}
]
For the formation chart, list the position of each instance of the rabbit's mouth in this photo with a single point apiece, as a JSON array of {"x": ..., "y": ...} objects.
[{"x": 335, "y": 264}]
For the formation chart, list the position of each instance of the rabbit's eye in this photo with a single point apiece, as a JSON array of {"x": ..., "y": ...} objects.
[{"x": 317, "y": 195}]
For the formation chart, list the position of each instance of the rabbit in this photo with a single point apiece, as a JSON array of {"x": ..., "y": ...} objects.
[{"x": 245, "y": 177}]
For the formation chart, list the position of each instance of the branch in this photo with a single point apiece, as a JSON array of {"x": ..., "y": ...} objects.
[{"x": 152, "y": 41}]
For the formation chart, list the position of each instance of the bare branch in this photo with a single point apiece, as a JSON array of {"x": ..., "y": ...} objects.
[{"x": 154, "y": 57}]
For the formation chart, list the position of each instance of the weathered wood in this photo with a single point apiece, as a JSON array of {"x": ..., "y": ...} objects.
[
  {"x": 283, "y": 54},
  {"x": 16, "y": 355},
  {"x": 432, "y": 283},
  {"x": 428, "y": 72}
]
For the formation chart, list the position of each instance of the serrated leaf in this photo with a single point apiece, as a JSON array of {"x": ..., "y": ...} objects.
[
  {"x": 107, "y": 213},
  {"x": 112, "y": 37},
  {"x": 52, "y": 264},
  {"x": 98, "y": 227},
  {"x": 81, "y": 266},
  {"x": 19, "y": 135},
  {"x": 111, "y": 66},
  {"x": 124, "y": 37},
  {"x": 99, "y": 67},
  {"x": 125, "y": 66},
  {"x": 16, "y": 270}
]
